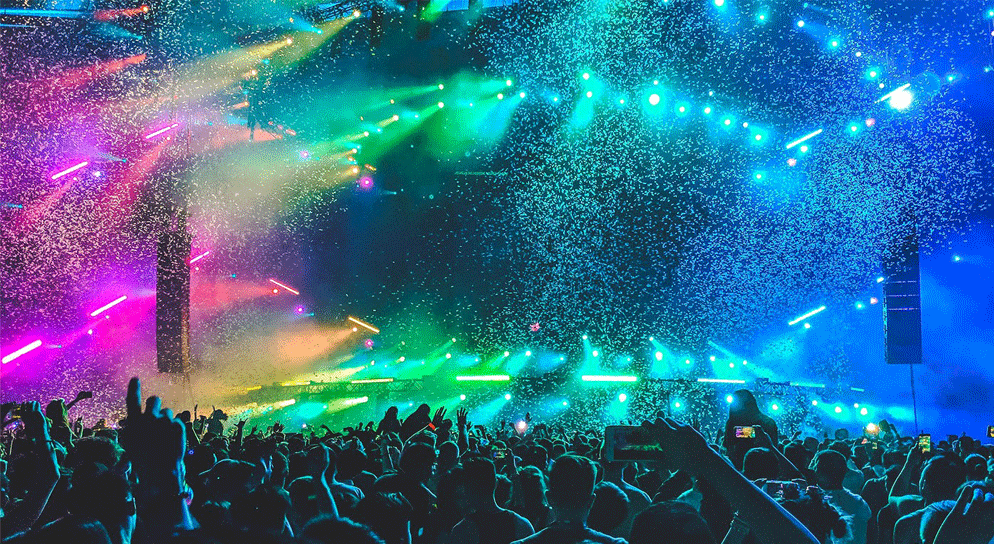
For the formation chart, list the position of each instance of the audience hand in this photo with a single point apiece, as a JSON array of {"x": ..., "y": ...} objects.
[{"x": 971, "y": 521}]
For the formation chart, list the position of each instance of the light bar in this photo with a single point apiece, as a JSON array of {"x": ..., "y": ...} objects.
[
  {"x": 808, "y": 384},
  {"x": 797, "y": 320},
  {"x": 803, "y": 139},
  {"x": 373, "y": 380},
  {"x": 718, "y": 380},
  {"x": 296, "y": 383},
  {"x": 858, "y": 389},
  {"x": 597, "y": 378},
  {"x": 904, "y": 87},
  {"x": 103, "y": 309},
  {"x": 160, "y": 131},
  {"x": 30, "y": 347},
  {"x": 287, "y": 287},
  {"x": 484, "y": 378},
  {"x": 201, "y": 256},
  {"x": 15, "y": 206},
  {"x": 353, "y": 402},
  {"x": 71, "y": 169},
  {"x": 253, "y": 388},
  {"x": 363, "y": 324}
]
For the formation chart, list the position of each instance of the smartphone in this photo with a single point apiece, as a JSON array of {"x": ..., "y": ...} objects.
[
  {"x": 630, "y": 443},
  {"x": 745, "y": 432},
  {"x": 990, "y": 431},
  {"x": 925, "y": 442},
  {"x": 500, "y": 455}
]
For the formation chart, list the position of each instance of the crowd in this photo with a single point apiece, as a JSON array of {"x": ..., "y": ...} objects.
[{"x": 428, "y": 479}]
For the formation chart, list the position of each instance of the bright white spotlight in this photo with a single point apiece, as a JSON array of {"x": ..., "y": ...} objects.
[{"x": 901, "y": 99}]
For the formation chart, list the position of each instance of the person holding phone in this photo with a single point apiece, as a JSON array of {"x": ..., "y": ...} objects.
[{"x": 743, "y": 412}]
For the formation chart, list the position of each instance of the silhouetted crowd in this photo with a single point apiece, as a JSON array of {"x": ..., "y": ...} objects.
[{"x": 427, "y": 479}]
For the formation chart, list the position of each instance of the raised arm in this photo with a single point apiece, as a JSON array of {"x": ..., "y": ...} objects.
[
  {"x": 461, "y": 416},
  {"x": 27, "y": 512},
  {"x": 686, "y": 449},
  {"x": 786, "y": 470}
]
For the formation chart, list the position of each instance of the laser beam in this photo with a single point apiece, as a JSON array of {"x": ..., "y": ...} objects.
[
  {"x": 808, "y": 384},
  {"x": 904, "y": 87},
  {"x": 287, "y": 287},
  {"x": 201, "y": 256},
  {"x": 30, "y": 347},
  {"x": 599, "y": 378},
  {"x": 103, "y": 309},
  {"x": 484, "y": 378},
  {"x": 161, "y": 130},
  {"x": 71, "y": 169},
  {"x": 803, "y": 139},
  {"x": 363, "y": 324},
  {"x": 797, "y": 320}
]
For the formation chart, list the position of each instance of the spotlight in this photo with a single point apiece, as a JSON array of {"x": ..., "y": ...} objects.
[
  {"x": 521, "y": 94},
  {"x": 500, "y": 96},
  {"x": 800, "y": 24},
  {"x": 654, "y": 99},
  {"x": 901, "y": 99},
  {"x": 775, "y": 407},
  {"x": 462, "y": 397},
  {"x": 565, "y": 403},
  {"x": 838, "y": 409},
  {"x": 590, "y": 94},
  {"x": 659, "y": 356},
  {"x": 595, "y": 353},
  {"x": 729, "y": 399},
  {"x": 507, "y": 396},
  {"x": 622, "y": 397},
  {"x": 528, "y": 353},
  {"x": 814, "y": 403},
  {"x": 586, "y": 75},
  {"x": 863, "y": 411}
]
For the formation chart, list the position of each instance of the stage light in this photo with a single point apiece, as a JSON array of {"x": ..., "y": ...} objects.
[
  {"x": 804, "y": 138},
  {"x": 707, "y": 110},
  {"x": 462, "y": 397},
  {"x": 712, "y": 358},
  {"x": 659, "y": 356},
  {"x": 586, "y": 75},
  {"x": 800, "y": 24},
  {"x": 595, "y": 353},
  {"x": 804, "y": 149},
  {"x": 860, "y": 306},
  {"x": 584, "y": 337},
  {"x": 719, "y": 380},
  {"x": 484, "y": 378},
  {"x": 957, "y": 258},
  {"x": 26, "y": 349},
  {"x": 565, "y": 403},
  {"x": 729, "y": 399},
  {"x": 522, "y": 425},
  {"x": 759, "y": 137},
  {"x": 590, "y": 94},
  {"x": 728, "y": 122},
  {"x": 834, "y": 44},
  {"x": 774, "y": 407},
  {"x": 500, "y": 96},
  {"x": 899, "y": 99},
  {"x": 373, "y": 380},
  {"x": 863, "y": 411},
  {"x": 719, "y": 3},
  {"x": 521, "y": 94},
  {"x": 363, "y": 324},
  {"x": 792, "y": 162},
  {"x": 603, "y": 378},
  {"x": 441, "y": 105},
  {"x": 509, "y": 83},
  {"x": 448, "y": 355},
  {"x": 874, "y": 300},
  {"x": 70, "y": 170},
  {"x": 677, "y": 404},
  {"x": 507, "y": 354},
  {"x": 401, "y": 359},
  {"x": 872, "y": 73},
  {"x": 507, "y": 396},
  {"x": 161, "y": 130},
  {"x": 288, "y": 288},
  {"x": 814, "y": 403},
  {"x": 201, "y": 256},
  {"x": 622, "y": 397},
  {"x": 528, "y": 353},
  {"x": 441, "y": 86},
  {"x": 838, "y": 409},
  {"x": 289, "y": 41},
  {"x": 807, "y": 315},
  {"x": 762, "y": 17},
  {"x": 654, "y": 99},
  {"x": 807, "y": 325},
  {"x": 102, "y": 309},
  {"x": 731, "y": 365},
  {"x": 855, "y": 405}
]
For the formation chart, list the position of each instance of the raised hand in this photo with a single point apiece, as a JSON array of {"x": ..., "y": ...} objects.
[
  {"x": 461, "y": 415},
  {"x": 154, "y": 442},
  {"x": 439, "y": 416},
  {"x": 971, "y": 521},
  {"x": 679, "y": 442}
]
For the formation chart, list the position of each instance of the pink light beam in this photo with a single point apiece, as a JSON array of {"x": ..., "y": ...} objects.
[
  {"x": 161, "y": 130},
  {"x": 70, "y": 170},
  {"x": 287, "y": 287},
  {"x": 103, "y": 309},
  {"x": 201, "y": 256},
  {"x": 30, "y": 347}
]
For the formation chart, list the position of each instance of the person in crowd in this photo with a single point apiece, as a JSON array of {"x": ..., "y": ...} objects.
[
  {"x": 529, "y": 497},
  {"x": 571, "y": 494},
  {"x": 830, "y": 470},
  {"x": 609, "y": 511},
  {"x": 940, "y": 479},
  {"x": 486, "y": 522},
  {"x": 744, "y": 411},
  {"x": 678, "y": 521},
  {"x": 638, "y": 500}
]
